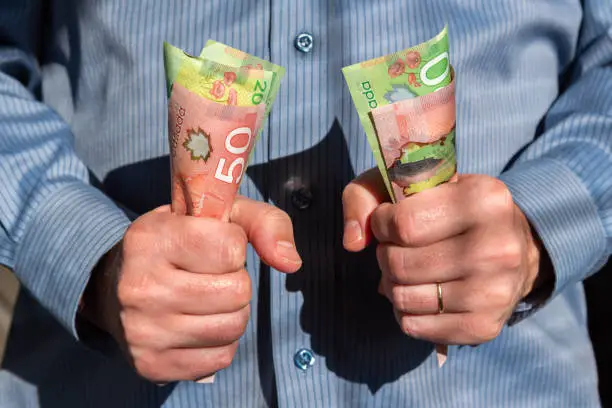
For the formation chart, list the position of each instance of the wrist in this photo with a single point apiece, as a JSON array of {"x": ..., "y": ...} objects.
[
  {"x": 541, "y": 273},
  {"x": 99, "y": 300}
]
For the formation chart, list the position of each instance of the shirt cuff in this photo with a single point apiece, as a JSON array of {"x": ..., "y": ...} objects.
[
  {"x": 71, "y": 230},
  {"x": 562, "y": 212}
]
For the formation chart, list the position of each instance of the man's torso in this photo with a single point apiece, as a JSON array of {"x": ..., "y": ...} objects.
[{"x": 109, "y": 84}]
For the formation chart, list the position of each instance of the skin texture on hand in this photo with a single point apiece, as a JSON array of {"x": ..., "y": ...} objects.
[
  {"x": 468, "y": 236},
  {"x": 175, "y": 293}
]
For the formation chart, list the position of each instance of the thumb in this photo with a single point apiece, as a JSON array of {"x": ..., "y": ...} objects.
[
  {"x": 270, "y": 231},
  {"x": 359, "y": 199}
]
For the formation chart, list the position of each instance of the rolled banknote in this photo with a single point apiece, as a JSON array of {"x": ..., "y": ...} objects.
[
  {"x": 217, "y": 105},
  {"x": 225, "y": 54},
  {"x": 210, "y": 145},
  {"x": 406, "y": 104},
  {"x": 417, "y": 140}
]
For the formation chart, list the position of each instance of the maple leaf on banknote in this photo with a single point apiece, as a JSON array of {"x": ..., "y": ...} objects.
[{"x": 198, "y": 144}]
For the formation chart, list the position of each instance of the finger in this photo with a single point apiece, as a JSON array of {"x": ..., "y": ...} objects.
[
  {"x": 203, "y": 294},
  {"x": 163, "y": 209},
  {"x": 452, "y": 328},
  {"x": 184, "y": 364},
  {"x": 169, "y": 330},
  {"x": 202, "y": 245},
  {"x": 190, "y": 331},
  {"x": 423, "y": 299},
  {"x": 359, "y": 200},
  {"x": 424, "y": 218},
  {"x": 270, "y": 231},
  {"x": 441, "y": 262}
]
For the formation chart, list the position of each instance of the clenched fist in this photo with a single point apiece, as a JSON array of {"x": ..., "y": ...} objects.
[
  {"x": 175, "y": 293},
  {"x": 469, "y": 237}
]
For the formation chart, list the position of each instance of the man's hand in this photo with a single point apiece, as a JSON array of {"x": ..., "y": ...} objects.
[
  {"x": 175, "y": 294},
  {"x": 468, "y": 236}
]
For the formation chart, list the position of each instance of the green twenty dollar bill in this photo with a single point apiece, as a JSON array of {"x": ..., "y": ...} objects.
[
  {"x": 227, "y": 55},
  {"x": 408, "y": 74},
  {"x": 225, "y": 75}
]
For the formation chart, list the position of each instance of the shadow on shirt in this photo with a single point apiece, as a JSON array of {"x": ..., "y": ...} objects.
[{"x": 348, "y": 321}]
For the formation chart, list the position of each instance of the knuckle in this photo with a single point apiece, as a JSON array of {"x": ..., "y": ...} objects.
[
  {"x": 242, "y": 289},
  {"x": 406, "y": 299},
  {"x": 233, "y": 247},
  {"x": 136, "y": 289},
  {"x": 499, "y": 197},
  {"x": 490, "y": 196},
  {"x": 501, "y": 295},
  {"x": 404, "y": 225},
  {"x": 490, "y": 331},
  {"x": 399, "y": 298},
  {"x": 136, "y": 238},
  {"x": 505, "y": 254},
  {"x": 511, "y": 254},
  {"x": 137, "y": 332},
  {"x": 134, "y": 334},
  {"x": 394, "y": 260},
  {"x": 226, "y": 356},
  {"x": 489, "y": 185},
  {"x": 270, "y": 212},
  {"x": 470, "y": 327},
  {"x": 507, "y": 295},
  {"x": 147, "y": 366},
  {"x": 403, "y": 299},
  {"x": 129, "y": 294},
  {"x": 479, "y": 329},
  {"x": 235, "y": 326},
  {"x": 187, "y": 368},
  {"x": 276, "y": 215}
]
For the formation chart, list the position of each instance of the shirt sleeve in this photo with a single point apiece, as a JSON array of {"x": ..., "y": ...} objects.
[
  {"x": 54, "y": 226},
  {"x": 563, "y": 180}
]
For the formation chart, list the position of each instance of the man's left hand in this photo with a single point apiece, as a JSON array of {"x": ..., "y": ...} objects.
[{"x": 467, "y": 236}]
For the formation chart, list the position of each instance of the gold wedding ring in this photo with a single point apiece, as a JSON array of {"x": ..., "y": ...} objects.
[{"x": 440, "y": 299}]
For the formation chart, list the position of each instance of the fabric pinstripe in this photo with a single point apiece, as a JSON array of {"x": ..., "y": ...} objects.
[{"x": 82, "y": 102}]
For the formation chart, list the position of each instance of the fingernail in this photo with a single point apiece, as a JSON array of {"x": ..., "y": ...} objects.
[
  {"x": 352, "y": 232},
  {"x": 288, "y": 252}
]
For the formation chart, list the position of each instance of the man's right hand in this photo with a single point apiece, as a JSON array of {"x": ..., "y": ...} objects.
[{"x": 175, "y": 293}]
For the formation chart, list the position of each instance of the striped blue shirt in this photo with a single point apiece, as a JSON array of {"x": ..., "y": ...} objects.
[{"x": 83, "y": 148}]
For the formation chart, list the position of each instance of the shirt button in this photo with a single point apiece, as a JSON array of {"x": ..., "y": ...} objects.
[
  {"x": 304, "y": 42},
  {"x": 304, "y": 359},
  {"x": 301, "y": 198}
]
